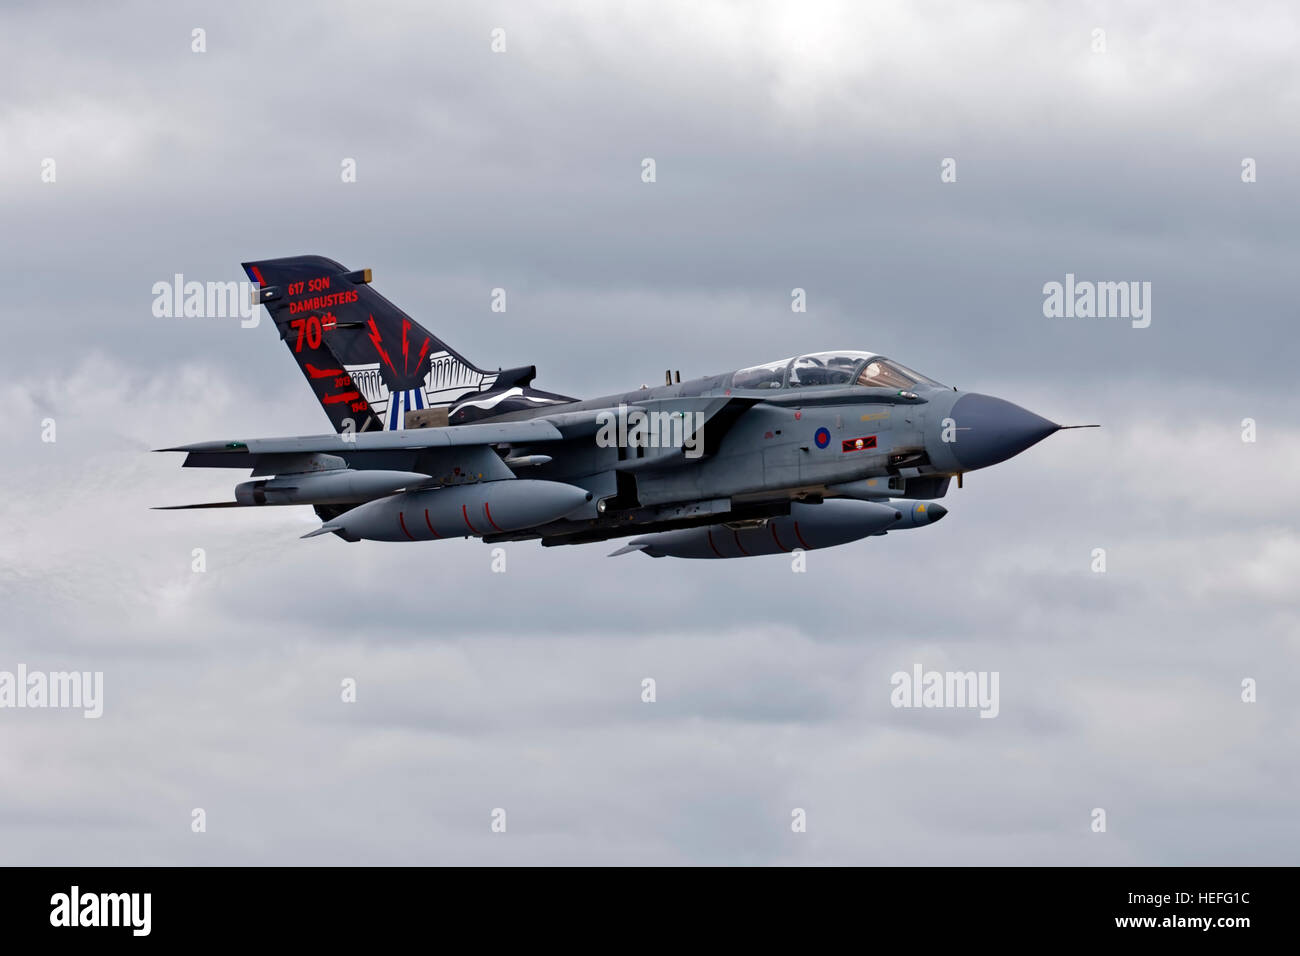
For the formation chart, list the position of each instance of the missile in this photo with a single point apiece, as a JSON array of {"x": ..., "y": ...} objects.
[
  {"x": 341, "y": 486},
  {"x": 918, "y": 514},
  {"x": 807, "y": 527},
  {"x": 482, "y": 508}
]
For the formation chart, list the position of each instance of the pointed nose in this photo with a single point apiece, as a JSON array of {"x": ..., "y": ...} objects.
[
  {"x": 935, "y": 511},
  {"x": 990, "y": 430}
]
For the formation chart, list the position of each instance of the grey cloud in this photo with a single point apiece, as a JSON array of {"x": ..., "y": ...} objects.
[{"x": 793, "y": 149}]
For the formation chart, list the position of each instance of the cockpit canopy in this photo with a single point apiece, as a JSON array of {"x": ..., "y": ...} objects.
[{"x": 830, "y": 368}]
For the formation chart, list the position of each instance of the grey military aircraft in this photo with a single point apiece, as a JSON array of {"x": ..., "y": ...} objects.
[{"x": 803, "y": 453}]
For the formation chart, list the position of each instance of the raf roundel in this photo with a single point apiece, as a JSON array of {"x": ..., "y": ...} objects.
[{"x": 823, "y": 437}]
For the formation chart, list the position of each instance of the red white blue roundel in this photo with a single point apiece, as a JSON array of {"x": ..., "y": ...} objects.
[{"x": 822, "y": 437}]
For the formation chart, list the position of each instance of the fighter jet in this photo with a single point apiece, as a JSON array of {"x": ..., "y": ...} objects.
[{"x": 807, "y": 452}]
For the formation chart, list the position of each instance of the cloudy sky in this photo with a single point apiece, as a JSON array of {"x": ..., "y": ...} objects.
[{"x": 796, "y": 145}]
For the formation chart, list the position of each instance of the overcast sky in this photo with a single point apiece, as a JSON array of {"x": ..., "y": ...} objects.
[{"x": 796, "y": 145}]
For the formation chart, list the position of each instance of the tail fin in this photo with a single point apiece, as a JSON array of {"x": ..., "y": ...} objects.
[{"x": 370, "y": 366}]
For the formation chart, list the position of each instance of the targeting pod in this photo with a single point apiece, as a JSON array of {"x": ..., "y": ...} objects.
[{"x": 343, "y": 486}]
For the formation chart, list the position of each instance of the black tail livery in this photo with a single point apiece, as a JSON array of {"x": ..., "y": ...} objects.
[{"x": 369, "y": 364}]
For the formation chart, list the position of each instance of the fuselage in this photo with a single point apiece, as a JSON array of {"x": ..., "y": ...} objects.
[{"x": 801, "y": 429}]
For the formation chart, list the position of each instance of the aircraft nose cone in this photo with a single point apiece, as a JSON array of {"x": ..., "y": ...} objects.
[
  {"x": 935, "y": 512},
  {"x": 990, "y": 430}
]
